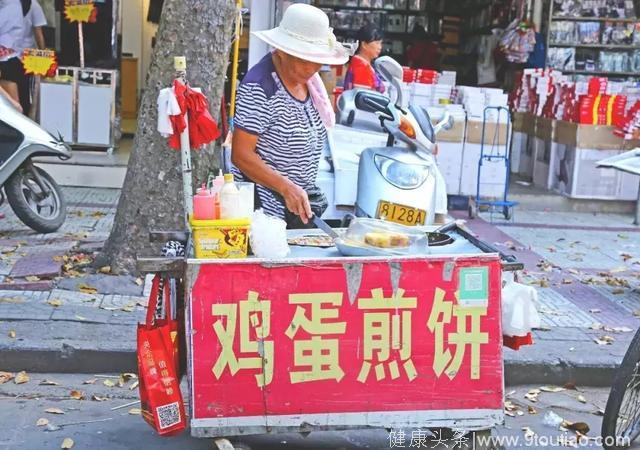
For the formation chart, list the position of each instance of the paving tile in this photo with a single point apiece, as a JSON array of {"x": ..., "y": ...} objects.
[
  {"x": 25, "y": 311},
  {"x": 27, "y": 296},
  {"x": 39, "y": 264},
  {"x": 119, "y": 301},
  {"x": 76, "y": 297},
  {"x": 126, "y": 318},
  {"x": 557, "y": 311},
  {"x": 80, "y": 313}
]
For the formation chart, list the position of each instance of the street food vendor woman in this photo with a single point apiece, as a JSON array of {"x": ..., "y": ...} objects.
[{"x": 282, "y": 113}]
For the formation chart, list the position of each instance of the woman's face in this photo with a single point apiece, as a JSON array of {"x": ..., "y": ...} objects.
[
  {"x": 298, "y": 69},
  {"x": 371, "y": 49}
]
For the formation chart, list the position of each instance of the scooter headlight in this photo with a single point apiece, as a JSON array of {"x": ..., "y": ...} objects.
[{"x": 401, "y": 175}]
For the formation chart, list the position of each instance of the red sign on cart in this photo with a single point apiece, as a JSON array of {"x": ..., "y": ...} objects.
[{"x": 406, "y": 341}]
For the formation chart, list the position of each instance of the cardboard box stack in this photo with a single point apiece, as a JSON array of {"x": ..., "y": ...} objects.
[{"x": 576, "y": 125}]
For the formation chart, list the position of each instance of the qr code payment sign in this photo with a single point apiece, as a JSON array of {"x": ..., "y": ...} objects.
[
  {"x": 168, "y": 415},
  {"x": 474, "y": 286}
]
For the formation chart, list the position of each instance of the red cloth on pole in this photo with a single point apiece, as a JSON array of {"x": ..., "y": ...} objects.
[{"x": 203, "y": 129}]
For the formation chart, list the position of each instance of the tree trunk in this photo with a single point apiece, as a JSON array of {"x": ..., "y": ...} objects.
[{"x": 152, "y": 197}]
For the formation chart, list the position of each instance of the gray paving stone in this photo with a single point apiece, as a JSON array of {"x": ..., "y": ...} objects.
[
  {"x": 125, "y": 318},
  {"x": 25, "y": 311},
  {"x": 80, "y": 313},
  {"x": 119, "y": 301},
  {"x": 563, "y": 334},
  {"x": 76, "y": 297},
  {"x": 556, "y": 311},
  {"x": 20, "y": 284},
  {"x": 27, "y": 296},
  {"x": 123, "y": 285}
]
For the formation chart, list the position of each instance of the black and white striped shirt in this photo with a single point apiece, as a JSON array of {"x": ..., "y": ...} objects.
[{"x": 290, "y": 132}]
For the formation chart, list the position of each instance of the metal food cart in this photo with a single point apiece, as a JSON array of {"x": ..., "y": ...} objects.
[{"x": 318, "y": 341}]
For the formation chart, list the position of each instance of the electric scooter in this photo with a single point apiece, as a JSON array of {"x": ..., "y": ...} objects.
[
  {"x": 33, "y": 195},
  {"x": 399, "y": 184}
]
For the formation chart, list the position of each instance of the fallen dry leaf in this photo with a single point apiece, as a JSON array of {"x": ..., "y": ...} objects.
[
  {"x": 509, "y": 406},
  {"x": 80, "y": 317},
  {"x": 595, "y": 311},
  {"x": 129, "y": 308},
  {"x": 532, "y": 410},
  {"x": 108, "y": 383},
  {"x": 581, "y": 399},
  {"x": 626, "y": 256},
  {"x": 55, "y": 302},
  {"x": 105, "y": 269},
  {"x": 12, "y": 334},
  {"x": 528, "y": 433},
  {"x": 32, "y": 278},
  {"x": 519, "y": 413},
  {"x": 48, "y": 383},
  {"x": 54, "y": 411},
  {"x": 67, "y": 443},
  {"x": 596, "y": 326},
  {"x": 567, "y": 281},
  {"x": 6, "y": 376},
  {"x": 604, "y": 340},
  {"x": 580, "y": 427},
  {"x": 551, "y": 389},
  {"x": 617, "y": 291},
  {"x": 21, "y": 378},
  {"x": 82, "y": 287},
  {"x": 544, "y": 283},
  {"x": 509, "y": 413},
  {"x": 88, "y": 300},
  {"x": 42, "y": 422},
  {"x": 76, "y": 395},
  {"x": 91, "y": 381},
  {"x": 98, "y": 214},
  {"x": 135, "y": 411},
  {"x": 636, "y": 313},
  {"x": 129, "y": 376},
  {"x": 139, "y": 281},
  {"x": 570, "y": 385},
  {"x": 97, "y": 398},
  {"x": 134, "y": 385},
  {"x": 618, "y": 329}
]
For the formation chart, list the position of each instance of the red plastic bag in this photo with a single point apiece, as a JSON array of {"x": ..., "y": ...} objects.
[{"x": 161, "y": 400}]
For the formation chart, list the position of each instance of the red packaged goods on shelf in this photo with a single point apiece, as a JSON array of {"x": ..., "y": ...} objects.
[
  {"x": 408, "y": 75},
  {"x": 598, "y": 85},
  {"x": 426, "y": 76}
]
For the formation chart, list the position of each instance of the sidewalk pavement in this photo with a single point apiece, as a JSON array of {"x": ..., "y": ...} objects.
[{"x": 57, "y": 316}]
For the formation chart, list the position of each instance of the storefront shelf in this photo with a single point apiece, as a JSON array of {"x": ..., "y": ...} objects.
[{"x": 596, "y": 19}]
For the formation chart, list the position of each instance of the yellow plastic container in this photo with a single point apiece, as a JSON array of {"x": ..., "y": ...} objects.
[{"x": 220, "y": 238}]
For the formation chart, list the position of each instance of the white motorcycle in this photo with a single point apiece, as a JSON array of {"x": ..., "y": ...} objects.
[{"x": 401, "y": 184}]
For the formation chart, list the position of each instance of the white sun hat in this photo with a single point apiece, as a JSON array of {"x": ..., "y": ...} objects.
[{"x": 304, "y": 32}]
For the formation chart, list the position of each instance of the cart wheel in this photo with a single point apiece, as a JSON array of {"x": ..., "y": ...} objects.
[
  {"x": 482, "y": 441},
  {"x": 473, "y": 212},
  {"x": 507, "y": 211}
]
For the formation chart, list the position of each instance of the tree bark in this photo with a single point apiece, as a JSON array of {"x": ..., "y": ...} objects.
[{"x": 152, "y": 198}]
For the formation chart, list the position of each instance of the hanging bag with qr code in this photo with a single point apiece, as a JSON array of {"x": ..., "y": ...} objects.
[{"x": 161, "y": 400}]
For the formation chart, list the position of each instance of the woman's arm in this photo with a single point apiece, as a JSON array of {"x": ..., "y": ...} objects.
[{"x": 245, "y": 158}]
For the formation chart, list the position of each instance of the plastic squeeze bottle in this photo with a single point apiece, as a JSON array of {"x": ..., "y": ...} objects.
[
  {"x": 218, "y": 182},
  {"x": 229, "y": 199},
  {"x": 203, "y": 204}
]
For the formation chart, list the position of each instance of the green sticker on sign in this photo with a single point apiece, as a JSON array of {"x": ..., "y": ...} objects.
[{"x": 473, "y": 286}]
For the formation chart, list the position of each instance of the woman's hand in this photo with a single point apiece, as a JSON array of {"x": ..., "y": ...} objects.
[{"x": 297, "y": 201}]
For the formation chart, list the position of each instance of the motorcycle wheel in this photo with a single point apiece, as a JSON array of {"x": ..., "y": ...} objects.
[{"x": 44, "y": 212}]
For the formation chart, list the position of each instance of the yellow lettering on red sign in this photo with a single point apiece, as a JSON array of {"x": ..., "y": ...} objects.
[
  {"x": 386, "y": 330},
  {"x": 255, "y": 316},
  {"x": 442, "y": 313},
  {"x": 78, "y": 10},
  {"x": 319, "y": 355}
]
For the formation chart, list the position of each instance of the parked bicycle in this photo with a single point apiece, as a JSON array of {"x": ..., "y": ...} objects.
[{"x": 621, "y": 422}]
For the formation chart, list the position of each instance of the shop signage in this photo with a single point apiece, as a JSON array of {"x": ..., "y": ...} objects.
[
  {"x": 339, "y": 338},
  {"x": 39, "y": 62},
  {"x": 80, "y": 11}
]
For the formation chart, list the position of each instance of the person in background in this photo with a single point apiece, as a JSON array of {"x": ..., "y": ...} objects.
[
  {"x": 361, "y": 73},
  {"x": 423, "y": 51},
  {"x": 11, "y": 31},
  {"x": 33, "y": 37}
]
